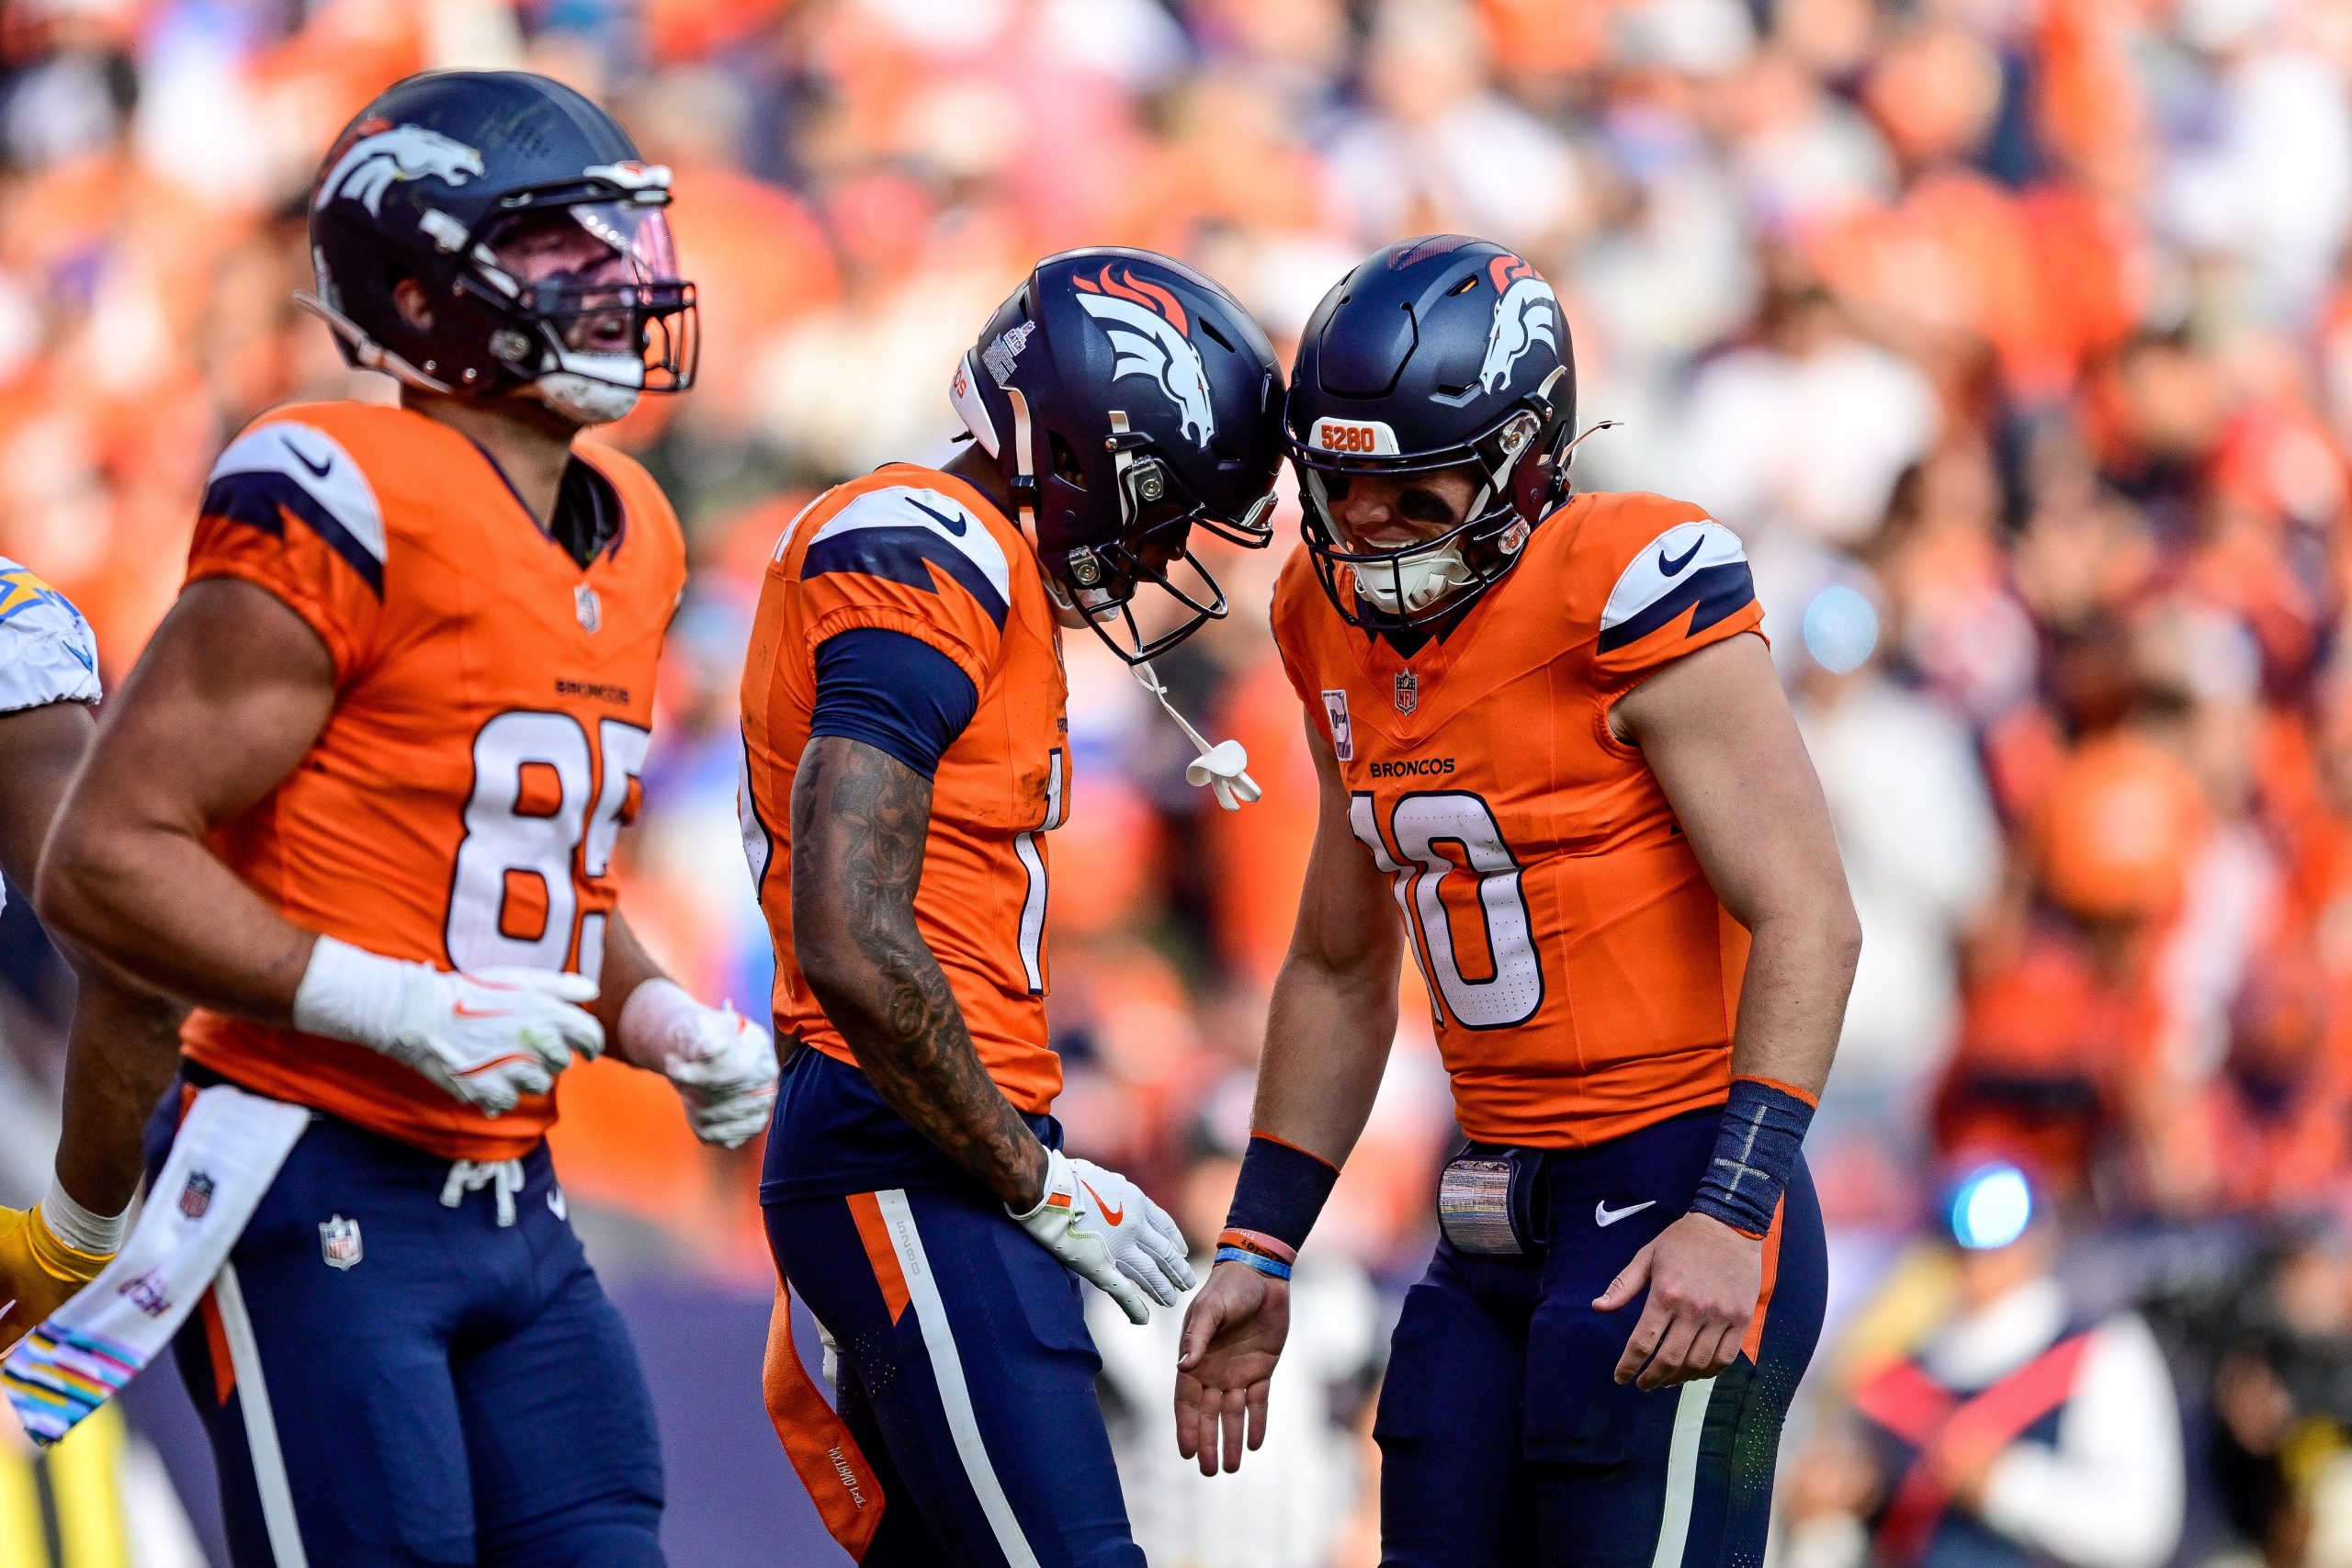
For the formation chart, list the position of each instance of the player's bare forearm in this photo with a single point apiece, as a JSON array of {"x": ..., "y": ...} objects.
[
  {"x": 1333, "y": 1017},
  {"x": 1328, "y": 1037},
  {"x": 125, "y": 1042},
  {"x": 1716, "y": 730},
  {"x": 120, "y": 1059},
  {"x": 859, "y": 819},
  {"x": 230, "y": 694},
  {"x": 626, "y": 966}
]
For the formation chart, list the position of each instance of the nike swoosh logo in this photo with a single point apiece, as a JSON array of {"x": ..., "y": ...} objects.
[
  {"x": 953, "y": 524},
  {"x": 1113, "y": 1215},
  {"x": 467, "y": 1009},
  {"x": 1605, "y": 1217},
  {"x": 319, "y": 468},
  {"x": 1674, "y": 567}
]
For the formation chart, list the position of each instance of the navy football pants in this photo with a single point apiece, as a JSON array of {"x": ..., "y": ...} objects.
[
  {"x": 966, "y": 1373},
  {"x": 462, "y": 1393},
  {"x": 1504, "y": 1441}
]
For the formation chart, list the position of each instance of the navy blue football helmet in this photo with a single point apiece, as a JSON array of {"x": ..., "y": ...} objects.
[
  {"x": 1435, "y": 353},
  {"x": 426, "y": 183},
  {"x": 1126, "y": 398}
]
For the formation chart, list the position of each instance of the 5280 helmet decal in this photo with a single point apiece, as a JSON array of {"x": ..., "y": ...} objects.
[{"x": 1146, "y": 325}]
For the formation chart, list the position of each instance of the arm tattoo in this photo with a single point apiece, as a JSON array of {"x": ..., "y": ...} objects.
[{"x": 859, "y": 818}]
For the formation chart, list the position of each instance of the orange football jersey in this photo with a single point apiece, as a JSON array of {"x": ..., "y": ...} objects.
[
  {"x": 914, "y": 550},
  {"x": 1584, "y": 976},
  {"x": 493, "y": 706}
]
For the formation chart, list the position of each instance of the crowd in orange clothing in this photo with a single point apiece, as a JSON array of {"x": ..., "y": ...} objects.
[{"x": 2015, "y": 337}]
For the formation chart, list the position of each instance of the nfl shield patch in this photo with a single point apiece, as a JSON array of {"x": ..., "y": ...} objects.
[
  {"x": 588, "y": 608},
  {"x": 339, "y": 1242},
  {"x": 196, "y": 1197},
  {"x": 1335, "y": 708},
  {"x": 1409, "y": 691}
]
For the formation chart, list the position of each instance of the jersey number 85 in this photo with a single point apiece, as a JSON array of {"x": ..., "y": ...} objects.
[{"x": 527, "y": 822}]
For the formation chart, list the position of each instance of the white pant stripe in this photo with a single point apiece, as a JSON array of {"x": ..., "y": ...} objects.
[
  {"x": 1681, "y": 1473},
  {"x": 261, "y": 1426},
  {"x": 939, "y": 1342}
]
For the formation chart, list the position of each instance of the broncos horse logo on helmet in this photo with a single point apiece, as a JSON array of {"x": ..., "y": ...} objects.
[
  {"x": 1145, "y": 326},
  {"x": 1127, "y": 398},
  {"x": 396, "y": 152},
  {"x": 1523, "y": 318}
]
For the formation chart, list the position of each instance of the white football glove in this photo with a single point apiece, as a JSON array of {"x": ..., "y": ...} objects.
[
  {"x": 722, "y": 1064},
  {"x": 1103, "y": 1228},
  {"x": 488, "y": 1036}
]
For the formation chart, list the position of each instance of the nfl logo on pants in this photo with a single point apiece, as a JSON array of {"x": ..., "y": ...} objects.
[
  {"x": 339, "y": 1242},
  {"x": 196, "y": 1197}
]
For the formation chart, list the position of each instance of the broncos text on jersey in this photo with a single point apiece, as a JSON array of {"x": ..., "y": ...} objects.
[
  {"x": 914, "y": 550},
  {"x": 493, "y": 702},
  {"x": 1585, "y": 977}
]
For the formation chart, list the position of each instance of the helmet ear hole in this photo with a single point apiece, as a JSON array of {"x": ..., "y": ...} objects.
[
  {"x": 1532, "y": 486},
  {"x": 1066, "y": 466}
]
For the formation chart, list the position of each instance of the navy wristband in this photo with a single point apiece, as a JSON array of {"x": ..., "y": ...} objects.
[
  {"x": 1756, "y": 1153},
  {"x": 1282, "y": 1189}
]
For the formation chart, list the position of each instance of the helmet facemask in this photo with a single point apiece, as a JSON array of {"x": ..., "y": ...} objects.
[
  {"x": 1097, "y": 582},
  {"x": 1157, "y": 515},
  {"x": 1420, "y": 583},
  {"x": 588, "y": 340}
]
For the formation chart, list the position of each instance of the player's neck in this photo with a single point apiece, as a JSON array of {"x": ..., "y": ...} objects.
[
  {"x": 530, "y": 442},
  {"x": 977, "y": 469}
]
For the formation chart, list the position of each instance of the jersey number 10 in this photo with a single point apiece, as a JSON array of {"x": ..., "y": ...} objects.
[
  {"x": 1513, "y": 987},
  {"x": 514, "y": 831}
]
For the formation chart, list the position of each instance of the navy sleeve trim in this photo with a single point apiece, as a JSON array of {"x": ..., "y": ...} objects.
[
  {"x": 894, "y": 692},
  {"x": 1719, "y": 592},
  {"x": 898, "y": 555},
  {"x": 260, "y": 499}
]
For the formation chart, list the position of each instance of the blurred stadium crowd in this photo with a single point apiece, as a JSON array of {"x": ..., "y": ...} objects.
[{"x": 2014, "y": 336}]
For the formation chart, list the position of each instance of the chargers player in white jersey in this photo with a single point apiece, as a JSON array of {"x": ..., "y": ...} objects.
[{"x": 49, "y": 681}]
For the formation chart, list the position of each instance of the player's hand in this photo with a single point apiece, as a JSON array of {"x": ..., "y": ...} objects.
[
  {"x": 1233, "y": 1334},
  {"x": 723, "y": 1067},
  {"x": 488, "y": 1036},
  {"x": 1703, "y": 1278},
  {"x": 1104, "y": 1229},
  {"x": 492, "y": 1036},
  {"x": 38, "y": 1273}
]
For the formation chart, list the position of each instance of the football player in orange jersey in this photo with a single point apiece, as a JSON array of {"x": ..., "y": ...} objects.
[
  {"x": 122, "y": 1044},
  {"x": 358, "y": 803},
  {"x": 1544, "y": 736},
  {"x": 906, "y": 755}
]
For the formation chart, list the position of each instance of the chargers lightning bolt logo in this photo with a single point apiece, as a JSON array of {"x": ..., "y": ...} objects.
[{"x": 21, "y": 591}]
